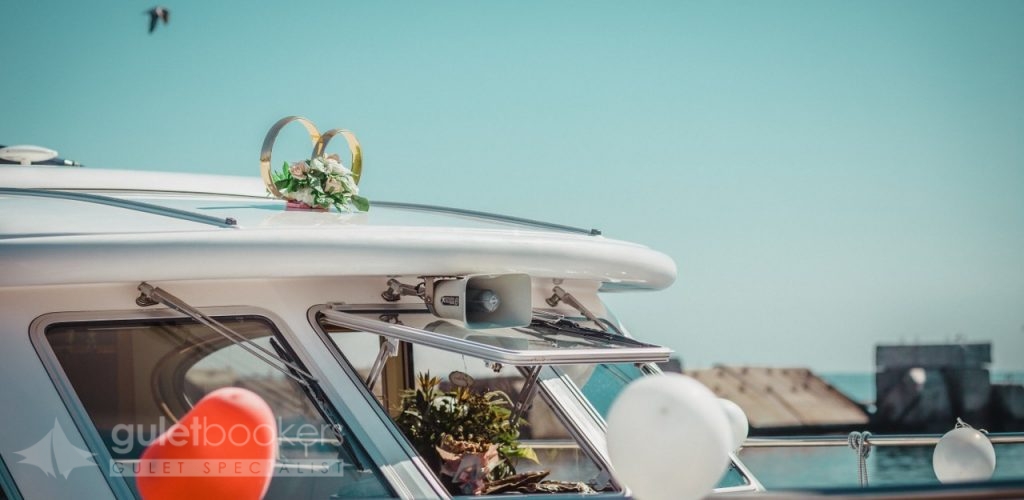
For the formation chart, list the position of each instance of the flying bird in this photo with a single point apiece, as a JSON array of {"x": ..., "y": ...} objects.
[{"x": 156, "y": 14}]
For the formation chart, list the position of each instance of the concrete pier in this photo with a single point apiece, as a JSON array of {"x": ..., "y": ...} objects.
[{"x": 783, "y": 400}]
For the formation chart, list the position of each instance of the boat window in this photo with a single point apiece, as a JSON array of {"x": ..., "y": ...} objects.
[
  {"x": 135, "y": 378},
  {"x": 602, "y": 383},
  {"x": 453, "y": 406}
]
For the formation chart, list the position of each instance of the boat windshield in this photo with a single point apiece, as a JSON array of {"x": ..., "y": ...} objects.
[
  {"x": 135, "y": 378},
  {"x": 602, "y": 383}
]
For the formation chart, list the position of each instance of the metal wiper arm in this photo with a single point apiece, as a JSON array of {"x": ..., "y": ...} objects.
[
  {"x": 280, "y": 360},
  {"x": 315, "y": 394},
  {"x": 560, "y": 295},
  {"x": 152, "y": 295}
]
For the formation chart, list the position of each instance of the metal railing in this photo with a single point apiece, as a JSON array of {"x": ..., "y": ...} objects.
[
  {"x": 862, "y": 442},
  {"x": 874, "y": 440}
]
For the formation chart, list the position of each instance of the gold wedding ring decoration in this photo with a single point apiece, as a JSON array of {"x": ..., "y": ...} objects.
[{"x": 319, "y": 141}]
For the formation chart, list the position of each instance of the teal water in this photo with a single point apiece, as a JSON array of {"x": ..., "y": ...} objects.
[{"x": 783, "y": 468}]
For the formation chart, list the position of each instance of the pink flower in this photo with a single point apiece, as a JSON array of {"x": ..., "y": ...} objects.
[
  {"x": 333, "y": 185},
  {"x": 299, "y": 169}
]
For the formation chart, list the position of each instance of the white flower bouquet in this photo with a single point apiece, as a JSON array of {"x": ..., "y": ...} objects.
[{"x": 320, "y": 182}]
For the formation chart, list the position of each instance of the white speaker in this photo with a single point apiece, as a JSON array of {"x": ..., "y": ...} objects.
[{"x": 485, "y": 300}]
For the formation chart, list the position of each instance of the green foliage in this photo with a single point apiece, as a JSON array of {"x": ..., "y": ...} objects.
[
  {"x": 362, "y": 204},
  {"x": 485, "y": 418}
]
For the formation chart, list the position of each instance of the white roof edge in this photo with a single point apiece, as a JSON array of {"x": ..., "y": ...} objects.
[
  {"x": 352, "y": 251},
  {"x": 361, "y": 251}
]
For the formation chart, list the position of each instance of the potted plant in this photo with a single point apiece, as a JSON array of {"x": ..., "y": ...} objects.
[{"x": 468, "y": 437}]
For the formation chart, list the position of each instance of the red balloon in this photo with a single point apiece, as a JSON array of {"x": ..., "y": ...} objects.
[{"x": 223, "y": 448}]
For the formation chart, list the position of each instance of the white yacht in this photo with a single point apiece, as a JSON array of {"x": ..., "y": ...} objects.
[{"x": 126, "y": 296}]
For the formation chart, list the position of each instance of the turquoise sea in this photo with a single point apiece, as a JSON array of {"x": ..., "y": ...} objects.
[
  {"x": 836, "y": 467},
  {"x": 783, "y": 468}
]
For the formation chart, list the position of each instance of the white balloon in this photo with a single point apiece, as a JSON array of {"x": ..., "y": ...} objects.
[
  {"x": 964, "y": 454},
  {"x": 738, "y": 423},
  {"x": 668, "y": 438}
]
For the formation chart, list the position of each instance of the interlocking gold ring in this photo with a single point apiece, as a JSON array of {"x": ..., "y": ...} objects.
[
  {"x": 353, "y": 148},
  {"x": 268, "y": 146},
  {"x": 319, "y": 141}
]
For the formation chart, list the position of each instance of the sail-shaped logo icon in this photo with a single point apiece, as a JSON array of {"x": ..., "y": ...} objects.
[{"x": 54, "y": 454}]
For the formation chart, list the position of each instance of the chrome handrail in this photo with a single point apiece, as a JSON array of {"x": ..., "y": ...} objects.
[
  {"x": 874, "y": 440},
  {"x": 225, "y": 222},
  {"x": 487, "y": 215}
]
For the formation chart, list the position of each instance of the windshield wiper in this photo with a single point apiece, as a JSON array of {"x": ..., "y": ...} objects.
[
  {"x": 282, "y": 361},
  {"x": 560, "y": 295},
  {"x": 562, "y": 325},
  {"x": 311, "y": 387},
  {"x": 152, "y": 295}
]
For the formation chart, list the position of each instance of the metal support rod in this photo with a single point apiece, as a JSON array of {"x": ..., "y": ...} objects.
[
  {"x": 388, "y": 349},
  {"x": 527, "y": 394},
  {"x": 152, "y": 295}
]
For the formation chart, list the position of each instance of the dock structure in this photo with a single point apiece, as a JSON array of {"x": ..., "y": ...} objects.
[
  {"x": 783, "y": 400},
  {"x": 925, "y": 388}
]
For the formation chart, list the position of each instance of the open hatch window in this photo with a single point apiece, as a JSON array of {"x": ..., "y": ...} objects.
[{"x": 478, "y": 399}]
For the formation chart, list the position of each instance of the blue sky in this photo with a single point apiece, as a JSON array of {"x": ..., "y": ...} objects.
[{"x": 827, "y": 175}]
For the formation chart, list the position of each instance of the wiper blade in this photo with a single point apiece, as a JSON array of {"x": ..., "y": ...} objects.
[
  {"x": 566, "y": 326},
  {"x": 560, "y": 295},
  {"x": 281, "y": 360},
  {"x": 315, "y": 394},
  {"x": 151, "y": 295}
]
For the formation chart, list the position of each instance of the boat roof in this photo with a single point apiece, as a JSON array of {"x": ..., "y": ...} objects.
[{"x": 77, "y": 225}]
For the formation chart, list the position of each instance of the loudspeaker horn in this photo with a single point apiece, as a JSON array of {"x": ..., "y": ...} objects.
[{"x": 485, "y": 300}]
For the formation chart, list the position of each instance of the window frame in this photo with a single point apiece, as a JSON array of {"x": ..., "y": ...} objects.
[
  {"x": 421, "y": 466},
  {"x": 393, "y": 480},
  {"x": 8, "y": 488},
  {"x": 346, "y": 316},
  {"x": 575, "y": 411}
]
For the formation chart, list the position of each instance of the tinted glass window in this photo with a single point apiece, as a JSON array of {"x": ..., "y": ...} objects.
[
  {"x": 603, "y": 383},
  {"x": 136, "y": 378}
]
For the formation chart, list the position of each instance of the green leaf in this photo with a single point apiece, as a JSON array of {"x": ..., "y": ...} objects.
[
  {"x": 528, "y": 454},
  {"x": 361, "y": 203}
]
